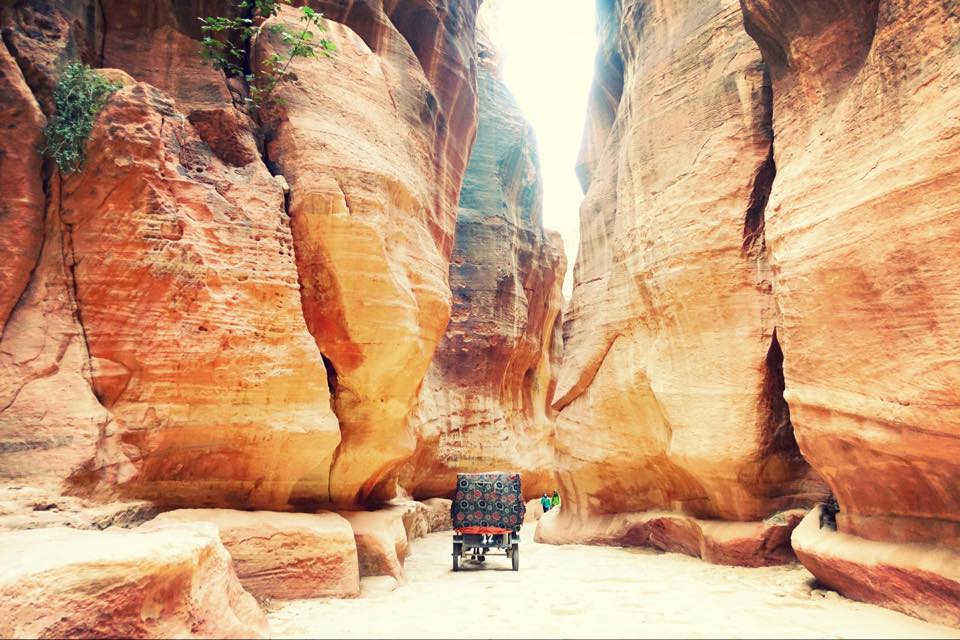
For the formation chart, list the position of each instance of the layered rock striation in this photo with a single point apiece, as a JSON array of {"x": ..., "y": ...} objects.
[
  {"x": 485, "y": 403},
  {"x": 174, "y": 581},
  {"x": 179, "y": 328},
  {"x": 670, "y": 393},
  {"x": 373, "y": 143},
  {"x": 861, "y": 225}
]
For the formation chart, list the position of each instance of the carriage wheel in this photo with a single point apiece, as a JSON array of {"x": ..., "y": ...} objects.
[
  {"x": 515, "y": 556},
  {"x": 457, "y": 551}
]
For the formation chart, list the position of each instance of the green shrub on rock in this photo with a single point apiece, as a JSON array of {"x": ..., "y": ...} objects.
[
  {"x": 78, "y": 98},
  {"x": 226, "y": 44}
]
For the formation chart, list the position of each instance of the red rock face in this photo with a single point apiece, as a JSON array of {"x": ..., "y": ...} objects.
[
  {"x": 862, "y": 222},
  {"x": 485, "y": 404},
  {"x": 921, "y": 580},
  {"x": 670, "y": 389},
  {"x": 197, "y": 345},
  {"x": 50, "y": 421},
  {"x": 21, "y": 183},
  {"x": 373, "y": 144},
  {"x": 44, "y": 35}
]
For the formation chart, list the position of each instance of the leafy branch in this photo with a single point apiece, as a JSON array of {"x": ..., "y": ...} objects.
[
  {"x": 226, "y": 43},
  {"x": 78, "y": 98}
]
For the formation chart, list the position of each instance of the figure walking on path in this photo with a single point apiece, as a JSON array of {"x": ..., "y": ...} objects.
[{"x": 545, "y": 502}]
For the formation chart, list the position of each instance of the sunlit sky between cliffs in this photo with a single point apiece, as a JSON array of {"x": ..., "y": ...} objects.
[{"x": 547, "y": 49}]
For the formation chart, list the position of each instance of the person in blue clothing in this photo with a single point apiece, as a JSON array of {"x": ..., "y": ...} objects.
[{"x": 545, "y": 503}]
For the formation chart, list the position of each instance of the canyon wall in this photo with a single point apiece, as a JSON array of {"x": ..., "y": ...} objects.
[
  {"x": 486, "y": 400},
  {"x": 863, "y": 225},
  {"x": 765, "y": 302},
  {"x": 218, "y": 311},
  {"x": 373, "y": 143},
  {"x": 670, "y": 393}
]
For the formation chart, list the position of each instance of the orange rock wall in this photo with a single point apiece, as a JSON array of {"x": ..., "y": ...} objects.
[
  {"x": 670, "y": 388},
  {"x": 486, "y": 400},
  {"x": 373, "y": 144},
  {"x": 862, "y": 227},
  {"x": 865, "y": 218},
  {"x": 189, "y": 332}
]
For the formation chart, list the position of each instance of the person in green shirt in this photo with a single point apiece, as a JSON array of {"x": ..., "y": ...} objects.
[
  {"x": 545, "y": 503},
  {"x": 555, "y": 500}
]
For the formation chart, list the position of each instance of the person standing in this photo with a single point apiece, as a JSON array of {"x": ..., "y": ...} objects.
[
  {"x": 545, "y": 502},
  {"x": 555, "y": 500}
]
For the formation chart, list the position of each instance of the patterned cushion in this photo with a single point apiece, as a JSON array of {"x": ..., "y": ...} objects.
[{"x": 488, "y": 500}]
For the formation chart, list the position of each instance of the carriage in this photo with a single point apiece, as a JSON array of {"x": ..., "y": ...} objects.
[{"x": 487, "y": 513}]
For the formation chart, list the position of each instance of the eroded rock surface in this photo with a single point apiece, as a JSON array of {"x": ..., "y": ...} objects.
[
  {"x": 671, "y": 386},
  {"x": 175, "y": 581},
  {"x": 21, "y": 183},
  {"x": 373, "y": 143},
  {"x": 381, "y": 542},
  {"x": 864, "y": 218},
  {"x": 922, "y": 580},
  {"x": 187, "y": 292},
  {"x": 744, "y": 544},
  {"x": 862, "y": 221},
  {"x": 284, "y": 556},
  {"x": 486, "y": 401}
]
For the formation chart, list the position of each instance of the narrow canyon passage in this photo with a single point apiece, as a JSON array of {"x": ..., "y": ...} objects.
[{"x": 579, "y": 591}]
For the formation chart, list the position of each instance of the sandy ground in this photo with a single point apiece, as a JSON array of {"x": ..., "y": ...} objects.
[{"x": 593, "y": 592}]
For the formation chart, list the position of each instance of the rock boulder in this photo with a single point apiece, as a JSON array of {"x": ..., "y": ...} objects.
[
  {"x": 174, "y": 581},
  {"x": 283, "y": 556}
]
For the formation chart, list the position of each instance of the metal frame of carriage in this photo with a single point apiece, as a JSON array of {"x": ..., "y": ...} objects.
[{"x": 477, "y": 541}]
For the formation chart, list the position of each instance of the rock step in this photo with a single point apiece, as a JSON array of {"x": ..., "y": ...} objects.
[{"x": 170, "y": 581}]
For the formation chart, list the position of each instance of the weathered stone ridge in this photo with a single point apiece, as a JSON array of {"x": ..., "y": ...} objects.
[
  {"x": 864, "y": 216},
  {"x": 862, "y": 228},
  {"x": 486, "y": 401},
  {"x": 201, "y": 331},
  {"x": 670, "y": 389},
  {"x": 372, "y": 142}
]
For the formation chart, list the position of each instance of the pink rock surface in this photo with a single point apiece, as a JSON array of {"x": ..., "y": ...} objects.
[
  {"x": 381, "y": 542},
  {"x": 175, "y": 581},
  {"x": 919, "y": 579},
  {"x": 284, "y": 556}
]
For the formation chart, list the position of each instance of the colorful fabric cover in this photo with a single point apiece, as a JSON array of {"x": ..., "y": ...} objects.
[{"x": 488, "y": 500}]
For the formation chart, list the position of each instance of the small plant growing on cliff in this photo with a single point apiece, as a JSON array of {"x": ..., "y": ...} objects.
[
  {"x": 78, "y": 98},
  {"x": 221, "y": 35}
]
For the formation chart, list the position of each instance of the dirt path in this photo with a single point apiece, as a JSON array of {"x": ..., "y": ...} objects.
[{"x": 593, "y": 592}]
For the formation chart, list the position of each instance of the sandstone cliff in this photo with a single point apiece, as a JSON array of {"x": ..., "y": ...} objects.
[
  {"x": 670, "y": 393},
  {"x": 485, "y": 403},
  {"x": 175, "y": 326},
  {"x": 374, "y": 145},
  {"x": 765, "y": 295},
  {"x": 863, "y": 227}
]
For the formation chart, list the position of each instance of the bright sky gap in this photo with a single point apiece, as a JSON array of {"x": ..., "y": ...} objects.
[{"x": 547, "y": 48}]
